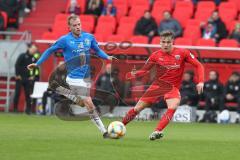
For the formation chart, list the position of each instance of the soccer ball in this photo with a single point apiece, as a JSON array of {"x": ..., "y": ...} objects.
[{"x": 116, "y": 130}]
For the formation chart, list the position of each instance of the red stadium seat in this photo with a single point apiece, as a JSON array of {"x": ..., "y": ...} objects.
[
  {"x": 157, "y": 13},
  {"x": 183, "y": 41},
  {"x": 116, "y": 38},
  {"x": 203, "y": 16},
  {"x": 107, "y": 21},
  {"x": 99, "y": 37},
  {"x": 236, "y": 2},
  {"x": 206, "y": 42},
  {"x": 163, "y": 3},
  {"x": 126, "y": 26},
  {"x": 204, "y": 10},
  {"x": 192, "y": 32},
  {"x": 108, "y": 30},
  {"x": 61, "y": 17},
  {"x": 156, "y": 40},
  {"x": 139, "y": 3},
  {"x": 88, "y": 22},
  {"x": 182, "y": 17},
  {"x": 193, "y": 22},
  {"x": 128, "y": 20},
  {"x": 206, "y": 6},
  {"x": 49, "y": 36},
  {"x": 185, "y": 6},
  {"x": 227, "y": 11},
  {"x": 231, "y": 25},
  {"x": 138, "y": 11},
  {"x": 122, "y": 10},
  {"x": 228, "y": 43},
  {"x": 60, "y": 30},
  {"x": 139, "y": 39}
]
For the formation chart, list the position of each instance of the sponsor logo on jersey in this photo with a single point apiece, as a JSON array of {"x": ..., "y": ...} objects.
[
  {"x": 177, "y": 57},
  {"x": 80, "y": 45},
  {"x": 191, "y": 55}
]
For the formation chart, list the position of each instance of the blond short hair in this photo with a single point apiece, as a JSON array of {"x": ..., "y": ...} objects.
[{"x": 72, "y": 17}]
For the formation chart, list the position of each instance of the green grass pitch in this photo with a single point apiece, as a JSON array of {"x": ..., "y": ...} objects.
[{"x": 25, "y": 137}]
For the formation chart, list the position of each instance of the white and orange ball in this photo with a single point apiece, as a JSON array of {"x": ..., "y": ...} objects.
[{"x": 116, "y": 130}]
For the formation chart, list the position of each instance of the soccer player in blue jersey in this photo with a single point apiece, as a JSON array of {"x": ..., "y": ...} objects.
[{"x": 76, "y": 47}]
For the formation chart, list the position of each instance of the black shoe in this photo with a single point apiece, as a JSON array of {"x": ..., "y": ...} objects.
[
  {"x": 106, "y": 135},
  {"x": 156, "y": 135},
  {"x": 237, "y": 120}
]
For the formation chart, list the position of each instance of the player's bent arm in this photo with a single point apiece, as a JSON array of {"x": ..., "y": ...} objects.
[{"x": 59, "y": 44}]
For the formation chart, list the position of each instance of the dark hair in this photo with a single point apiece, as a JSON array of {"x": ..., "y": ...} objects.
[
  {"x": 167, "y": 33},
  {"x": 191, "y": 73}
]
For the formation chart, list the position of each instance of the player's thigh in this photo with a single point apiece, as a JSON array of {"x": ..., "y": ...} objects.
[{"x": 173, "y": 103}]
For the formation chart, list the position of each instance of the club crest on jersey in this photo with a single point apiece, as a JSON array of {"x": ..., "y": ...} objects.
[
  {"x": 177, "y": 57},
  {"x": 80, "y": 45},
  {"x": 87, "y": 41}
]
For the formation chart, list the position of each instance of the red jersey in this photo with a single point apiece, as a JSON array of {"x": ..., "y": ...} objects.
[{"x": 170, "y": 67}]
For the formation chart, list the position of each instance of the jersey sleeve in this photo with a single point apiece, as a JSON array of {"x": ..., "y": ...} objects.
[
  {"x": 147, "y": 66},
  {"x": 99, "y": 51},
  {"x": 59, "y": 44},
  {"x": 190, "y": 58}
]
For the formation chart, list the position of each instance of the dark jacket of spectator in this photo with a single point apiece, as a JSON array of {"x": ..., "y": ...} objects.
[
  {"x": 74, "y": 8},
  {"x": 209, "y": 31},
  {"x": 221, "y": 27},
  {"x": 233, "y": 88},
  {"x": 213, "y": 93},
  {"x": 1, "y": 22},
  {"x": 145, "y": 26},
  {"x": 189, "y": 93},
  {"x": 94, "y": 7}
]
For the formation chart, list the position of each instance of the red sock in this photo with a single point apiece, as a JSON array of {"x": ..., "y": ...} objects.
[
  {"x": 131, "y": 114},
  {"x": 165, "y": 119}
]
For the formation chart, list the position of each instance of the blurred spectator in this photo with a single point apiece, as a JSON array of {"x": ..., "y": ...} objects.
[
  {"x": 2, "y": 21},
  {"x": 169, "y": 23},
  {"x": 209, "y": 31},
  {"x": 108, "y": 87},
  {"x": 236, "y": 33},
  {"x": 146, "y": 26},
  {"x": 24, "y": 77},
  {"x": 220, "y": 26},
  {"x": 232, "y": 90},
  {"x": 213, "y": 91},
  {"x": 109, "y": 9},
  {"x": 74, "y": 8},
  {"x": 188, "y": 90},
  {"x": 12, "y": 8},
  {"x": 217, "y": 2},
  {"x": 94, "y": 7}
]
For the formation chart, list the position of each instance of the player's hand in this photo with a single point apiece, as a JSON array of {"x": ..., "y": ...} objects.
[
  {"x": 200, "y": 87},
  {"x": 18, "y": 78},
  {"x": 112, "y": 58},
  {"x": 32, "y": 66}
]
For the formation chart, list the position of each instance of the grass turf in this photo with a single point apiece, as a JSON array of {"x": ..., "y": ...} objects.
[{"x": 25, "y": 137}]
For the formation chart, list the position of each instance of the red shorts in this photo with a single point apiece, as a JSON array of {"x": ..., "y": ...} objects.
[{"x": 155, "y": 92}]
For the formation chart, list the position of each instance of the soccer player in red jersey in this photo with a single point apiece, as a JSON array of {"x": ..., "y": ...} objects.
[{"x": 169, "y": 62}]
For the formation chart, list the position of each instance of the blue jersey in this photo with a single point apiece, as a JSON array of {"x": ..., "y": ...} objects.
[{"x": 76, "y": 52}]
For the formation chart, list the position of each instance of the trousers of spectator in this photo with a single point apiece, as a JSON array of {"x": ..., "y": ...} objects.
[
  {"x": 27, "y": 85},
  {"x": 218, "y": 103}
]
